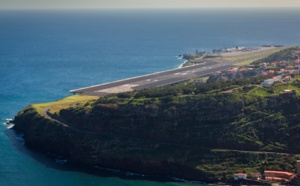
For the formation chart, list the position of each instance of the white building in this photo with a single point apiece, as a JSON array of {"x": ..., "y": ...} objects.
[
  {"x": 270, "y": 82},
  {"x": 239, "y": 176}
]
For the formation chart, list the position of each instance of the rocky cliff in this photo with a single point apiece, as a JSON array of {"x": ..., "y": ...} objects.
[{"x": 203, "y": 137}]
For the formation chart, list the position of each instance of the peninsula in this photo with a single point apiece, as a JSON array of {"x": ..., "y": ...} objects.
[{"x": 193, "y": 129}]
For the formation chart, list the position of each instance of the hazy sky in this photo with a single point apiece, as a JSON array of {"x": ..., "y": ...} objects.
[{"x": 146, "y": 3}]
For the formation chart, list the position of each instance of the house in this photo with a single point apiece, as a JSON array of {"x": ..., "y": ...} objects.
[
  {"x": 263, "y": 65},
  {"x": 282, "y": 64},
  {"x": 239, "y": 176},
  {"x": 242, "y": 70},
  {"x": 293, "y": 71},
  {"x": 278, "y": 175},
  {"x": 297, "y": 52},
  {"x": 271, "y": 71},
  {"x": 281, "y": 71},
  {"x": 255, "y": 176},
  {"x": 297, "y": 61},
  {"x": 274, "y": 63},
  {"x": 264, "y": 73},
  {"x": 268, "y": 82},
  {"x": 287, "y": 78},
  {"x": 277, "y": 78}
]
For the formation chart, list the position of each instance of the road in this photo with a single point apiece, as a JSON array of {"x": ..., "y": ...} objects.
[{"x": 203, "y": 67}]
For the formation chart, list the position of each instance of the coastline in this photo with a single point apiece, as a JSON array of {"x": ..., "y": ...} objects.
[
  {"x": 182, "y": 64},
  {"x": 148, "y": 165}
]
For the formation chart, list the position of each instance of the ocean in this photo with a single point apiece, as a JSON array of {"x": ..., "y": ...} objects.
[{"x": 46, "y": 53}]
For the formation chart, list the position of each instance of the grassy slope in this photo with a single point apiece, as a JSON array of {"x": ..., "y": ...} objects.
[
  {"x": 64, "y": 103},
  {"x": 240, "y": 57},
  {"x": 247, "y": 62},
  {"x": 255, "y": 54}
]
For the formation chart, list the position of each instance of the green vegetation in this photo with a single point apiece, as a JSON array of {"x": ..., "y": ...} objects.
[
  {"x": 253, "y": 55},
  {"x": 246, "y": 58},
  {"x": 247, "y": 62},
  {"x": 188, "y": 63},
  {"x": 67, "y": 102},
  {"x": 191, "y": 56},
  {"x": 282, "y": 55}
]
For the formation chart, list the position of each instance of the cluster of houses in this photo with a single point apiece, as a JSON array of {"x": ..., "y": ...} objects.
[
  {"x": 272, "y": 175},
  {"x": 269, "y": 175},
  {"x": 271, "y": 81},
  {"x": 235, "y": 72},
  {"x": 278, "y": 71}
]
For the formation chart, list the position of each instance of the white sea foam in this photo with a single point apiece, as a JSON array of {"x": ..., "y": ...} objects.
[
  {"x": 9, "y": 126},
  {"x": 7, "y": 121},
  {"x": 180, "y": 66}
]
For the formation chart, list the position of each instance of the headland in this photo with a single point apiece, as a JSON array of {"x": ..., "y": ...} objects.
[{"x": 194, "y": 130}]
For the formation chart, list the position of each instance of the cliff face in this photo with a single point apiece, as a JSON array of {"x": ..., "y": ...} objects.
[
  {"x": 227, "y": 121},
  {"x": 171, "y": 138},
  {"x": 104, "y": 149},
  {"x": 193, "y": 122}
]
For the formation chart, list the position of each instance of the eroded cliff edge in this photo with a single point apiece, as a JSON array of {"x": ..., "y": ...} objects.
[{"x": 198, "y": 136}]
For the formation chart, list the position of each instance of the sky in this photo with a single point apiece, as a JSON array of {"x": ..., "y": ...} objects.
[{"x": 98, "y": 4}]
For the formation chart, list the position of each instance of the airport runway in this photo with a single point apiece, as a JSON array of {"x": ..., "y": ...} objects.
[
  {"x": 203, "y": 67},
  {"x": 155, "y": 79}
]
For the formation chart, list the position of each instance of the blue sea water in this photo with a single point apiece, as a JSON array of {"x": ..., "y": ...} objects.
[{"x": 44, "y": 54}]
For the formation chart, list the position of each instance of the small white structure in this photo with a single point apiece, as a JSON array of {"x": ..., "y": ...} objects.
[
  {"x": 270, "y": 82},
  {"x": 239, "y": 176}
]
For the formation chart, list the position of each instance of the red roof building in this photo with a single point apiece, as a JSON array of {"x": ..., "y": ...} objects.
[
  {"x": 239, "y": 176},
  {"x": 278, "y": 175},
  {"x": 297, "y": 52},
  {"x": 287, "y": 78},
  {"x": 271, "y": 71},
  {"x": 242, "y": 70}
]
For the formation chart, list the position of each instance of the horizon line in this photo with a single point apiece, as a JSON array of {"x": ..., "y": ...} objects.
[{"x": 141, "y": 8}]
